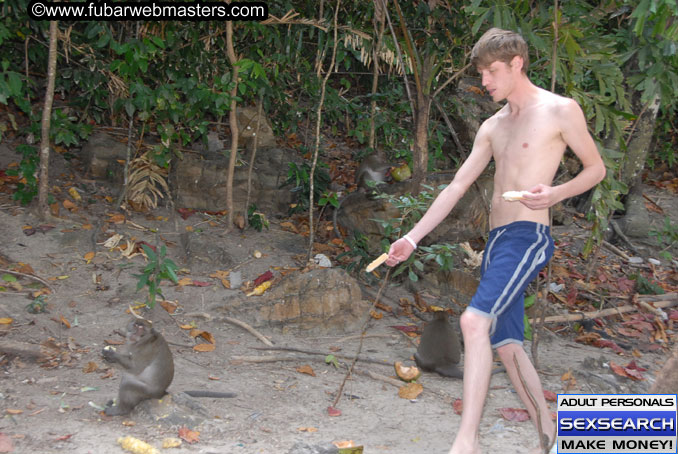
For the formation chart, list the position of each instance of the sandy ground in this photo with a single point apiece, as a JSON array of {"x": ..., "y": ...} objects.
[{"x": 48, "y": 407}]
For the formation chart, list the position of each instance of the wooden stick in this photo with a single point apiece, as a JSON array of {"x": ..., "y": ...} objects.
[
  {"x": 376, "y": 376},
  {"x": 670, "y": 300},
  {"x": 325, "y": 354},
  {"x": 616, "y": 250},
  {"x": 21, "y": 349},
  {"x": 29, "y": 276},
  {"x": 262, "y": 359},
  {"x": 362, "y": 338},
  {"x": 247, "y": 327}
]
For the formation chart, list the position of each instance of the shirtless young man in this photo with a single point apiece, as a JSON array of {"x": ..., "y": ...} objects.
[{"x": 527, "y": 138}]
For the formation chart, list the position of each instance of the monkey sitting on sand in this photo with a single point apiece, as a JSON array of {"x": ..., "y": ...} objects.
[
  {"x": 147, "y": 368},
  {"x": 439, "y": 348}
]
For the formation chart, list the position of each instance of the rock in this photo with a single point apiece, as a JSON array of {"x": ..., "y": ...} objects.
[
  {"x": 322, "y": 260},
  {"x": 459, "y": 284},
  {"x": 202, "y": 253},
  {"x": 321, "y": 301},
  {"x": 103, "y": 154},
  {"x": 474, "y": 107},
  {"x": 467, "y": 221},
  {"x": 199, "y": 182},
  {"x": 247, "y": 126},
  {"x": 301, "y": 447},
  {"x": 172, "y": 410}
]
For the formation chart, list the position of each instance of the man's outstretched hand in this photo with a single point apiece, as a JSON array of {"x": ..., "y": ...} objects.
[{"x": 399, "y": 252}]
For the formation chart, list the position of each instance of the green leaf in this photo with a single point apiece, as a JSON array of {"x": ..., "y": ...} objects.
[
  {"x": 529, "y": 301},
  {"x": 149, "y": 253}
]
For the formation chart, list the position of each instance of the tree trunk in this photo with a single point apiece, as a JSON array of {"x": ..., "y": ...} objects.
[
  {"x": 233, "y": 122},
  {"x": 420, "y": 149},
  {"x": 316, "y": 150},
  {"x": 639, "y": 145},
  {"x": 636, "y": 220},
  {"x": 379, "y": 23},
  {"x": 421, "y": 118},
  {"x": 43, "y": 188}
]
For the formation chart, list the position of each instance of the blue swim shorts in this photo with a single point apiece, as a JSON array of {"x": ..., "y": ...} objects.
[{"x": 514, "y": 255}]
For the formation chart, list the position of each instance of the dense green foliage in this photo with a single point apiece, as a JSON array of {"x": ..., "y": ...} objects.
[{"x": 172, "y": 80}]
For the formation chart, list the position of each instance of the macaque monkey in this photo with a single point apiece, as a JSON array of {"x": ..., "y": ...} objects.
[
  {"x": 439, "y": 348},
  {"x": 147, "y": 368},
  {"x": 372, "y": 168}
]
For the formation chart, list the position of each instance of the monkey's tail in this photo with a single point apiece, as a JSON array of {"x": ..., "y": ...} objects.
[
  {"x": 214, "y": 394},
  {"x": 334, "y": 220}
]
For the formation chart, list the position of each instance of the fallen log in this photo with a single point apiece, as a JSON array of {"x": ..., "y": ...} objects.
[
  {"x": 647, "y": 302},
  {"x": 21, "y": 349}
]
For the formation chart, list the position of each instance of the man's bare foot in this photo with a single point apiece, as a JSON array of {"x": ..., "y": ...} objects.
[{"x": 464, "y": 447}]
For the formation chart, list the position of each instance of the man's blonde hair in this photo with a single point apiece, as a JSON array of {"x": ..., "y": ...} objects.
[{"x": 499, "y": 45}]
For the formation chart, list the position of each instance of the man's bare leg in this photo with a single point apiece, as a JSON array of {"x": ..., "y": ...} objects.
[
  {"x": 532, "y": 382},
  {"x": 477, "y": 369}
]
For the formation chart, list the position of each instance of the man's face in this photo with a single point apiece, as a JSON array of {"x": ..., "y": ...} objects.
[{"x": 498, "y": 78}]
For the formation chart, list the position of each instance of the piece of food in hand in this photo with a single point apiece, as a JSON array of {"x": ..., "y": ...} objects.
[
  {"x": 378, "y": 261},
  {"x": 513, "y": 196}
]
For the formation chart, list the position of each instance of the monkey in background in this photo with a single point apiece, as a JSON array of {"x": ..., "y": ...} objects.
[
  {"x": 439, "y": 347},
  {"x": 372, "y": 170},
  {"x": 147, "y": 368}
]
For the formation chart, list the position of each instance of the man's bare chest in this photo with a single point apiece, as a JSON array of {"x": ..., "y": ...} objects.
[{"x": 525, "y": 137}]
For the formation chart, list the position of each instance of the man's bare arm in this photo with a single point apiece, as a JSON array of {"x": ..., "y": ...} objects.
[
  {"x": 576, "y": 135},
  {"x": 442, "y": 205}
]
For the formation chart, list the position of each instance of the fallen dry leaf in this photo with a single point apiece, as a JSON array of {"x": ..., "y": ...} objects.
[
  {"x": 200, "y": 284},
  {"x": 514, "y": 414},
  {"x": 376, "y": 315},
  {"x": 90, "y": 367},
  {"x": 550, "y": 396},
  {"x": 24, "y": 268},
  {"x": 184, "y": 281},
  {"x": 65, "y": 322},
  {"x": 267, "y": 276},
  {"x": 75, "y": 194},
  {"x": 201, "y": 333},
  {"x": 168, "y": 443},
  {"x": 169, "y": 306},
  {"x": 333, "y": 411},
  {"x": 458, "y": 406},
  {"x": 189, "y": 436},
  {"x": 13, "y": 411},
  {"x": 89, "y": 256},
  {"x": 6, "y": 443},
  {"x": 259, "y": 290},
  {"x": 70, "y": 206},
  {"x": 204, "y": 348},
  {"x": 307, "y": 429},
  {"x": 631, "y": 370},
  {"x": 6, "y": 321},
  {"x": 306, "y": 369},
  {"x": 410, "y": 391},
  {"x": 219, "y": 274}
]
